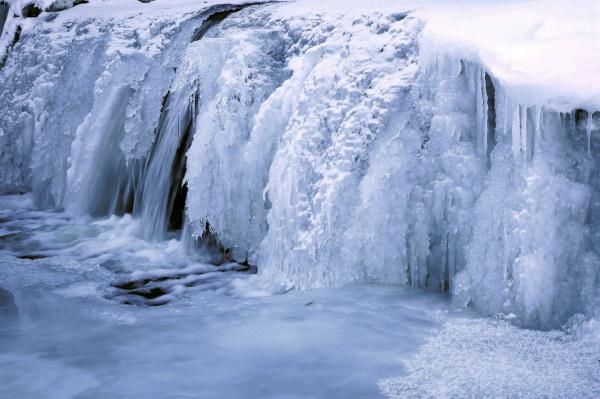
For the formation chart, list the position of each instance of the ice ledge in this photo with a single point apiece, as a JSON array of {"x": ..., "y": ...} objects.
[{"x": 543, "y": 52}]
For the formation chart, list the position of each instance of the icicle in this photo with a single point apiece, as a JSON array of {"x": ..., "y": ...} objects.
[
  {"x": 193, "y": 110},
  {"x": 458, "y": 69},
  {"x": 505, "y": 239},
  {"x": 470, "y": 80},
  {"x": 479, "y": 110},
  {"x": 413, "y": 265},
  {"x": 516, "y": 131},
  {"x": 523, "y": 131},
  {"x": 446, "y": 243},
  {"x": 451, "y": 260},
  {"x": 542, "y": 122},
  {"x": 505, "y": 118},
  {"x": 444, "y": 264},
  {"x": 484, "y": 120},
  {"x": 537, "y": 143},
  {"x": 589, "y": 133}
]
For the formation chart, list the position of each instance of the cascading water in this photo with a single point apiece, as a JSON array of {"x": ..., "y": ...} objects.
[
  {"x": 163, "y": 172},
  {"x": 152, "y": 189},
  {"x": 321, "y": 147},
  {"x": 3, "y": 14}
]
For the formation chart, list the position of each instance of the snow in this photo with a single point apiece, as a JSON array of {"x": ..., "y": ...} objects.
[
  {"x": 515, "y": 41},
  {"x": 543, "y": 52}
]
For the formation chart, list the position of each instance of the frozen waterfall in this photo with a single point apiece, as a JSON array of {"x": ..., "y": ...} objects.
[{"x": 321, "y": 147}]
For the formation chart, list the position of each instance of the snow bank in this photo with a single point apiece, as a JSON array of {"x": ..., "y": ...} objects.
[{"x": 543, "y": 52}]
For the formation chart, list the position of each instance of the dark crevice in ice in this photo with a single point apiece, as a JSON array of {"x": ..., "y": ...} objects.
[
  {"x": 581, "y": 115},
  {"x": 178, "y": 189},
  {"x": 32, "y": 256},
  {"x": 17, "y": 36},
  {"x": 491, "y": 116},
  {"x": 31, "y": 11},
  {"x": 217, "y": 14},
  {"x": 54, "y": 7},
  {"x": 15, "y": 40}
]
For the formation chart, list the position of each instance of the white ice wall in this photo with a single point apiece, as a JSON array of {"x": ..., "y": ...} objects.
[{"x": 328, "y": 147}]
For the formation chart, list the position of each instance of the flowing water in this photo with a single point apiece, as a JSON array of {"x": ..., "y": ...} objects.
[{"x": 79, "y": 320}]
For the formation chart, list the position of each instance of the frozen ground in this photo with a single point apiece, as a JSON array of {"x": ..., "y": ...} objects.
[{"x": 63, "y": 334}]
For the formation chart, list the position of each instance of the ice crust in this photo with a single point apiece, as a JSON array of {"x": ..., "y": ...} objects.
[
  {"x": 399, "y": 143},
  {"x": 484, "y": 358}
]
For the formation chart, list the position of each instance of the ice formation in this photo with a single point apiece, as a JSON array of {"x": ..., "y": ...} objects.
[
  {"x": 491, "y": 359},
  {"x": 323, "y": 146}
]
